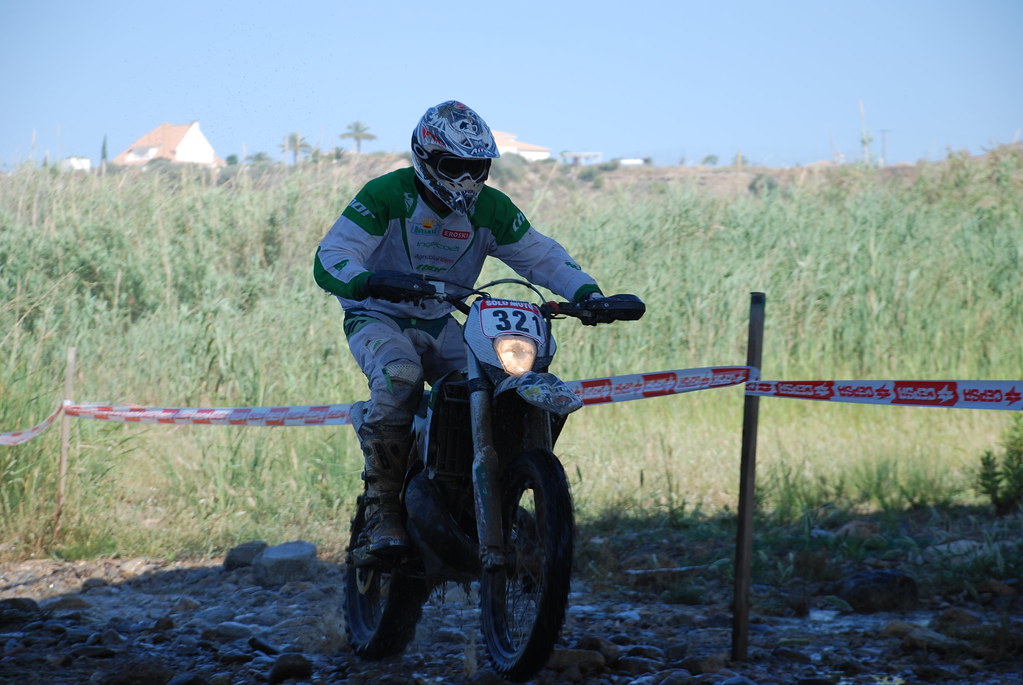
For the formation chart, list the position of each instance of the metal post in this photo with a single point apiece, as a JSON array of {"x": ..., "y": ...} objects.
[
  {"x": 65, "y": 439},
  {"x": 747, "y": 487}
]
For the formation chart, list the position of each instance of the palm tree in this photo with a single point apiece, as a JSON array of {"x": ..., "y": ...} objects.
[
  {"x": 359, "y": 132},
  {"x": 296, "y": 145}
]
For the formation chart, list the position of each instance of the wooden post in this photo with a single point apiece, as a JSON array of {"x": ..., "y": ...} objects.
[
  {"x": 65, "y": 440},
  {"x": 747, "y": 487}
]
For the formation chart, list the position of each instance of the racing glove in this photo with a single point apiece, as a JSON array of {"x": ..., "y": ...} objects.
[{"x": 395, "y": 286}]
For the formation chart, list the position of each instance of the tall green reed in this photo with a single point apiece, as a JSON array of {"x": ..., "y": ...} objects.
[{"x": 178, "y": 289}]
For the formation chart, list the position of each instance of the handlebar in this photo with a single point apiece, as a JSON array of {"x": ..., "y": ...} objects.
[
  {"x": 590, "y": 312},
  {"x": 600, "y": 310}
]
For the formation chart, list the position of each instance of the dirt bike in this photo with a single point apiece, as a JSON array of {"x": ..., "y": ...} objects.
[{"x": 484, "y": 497}]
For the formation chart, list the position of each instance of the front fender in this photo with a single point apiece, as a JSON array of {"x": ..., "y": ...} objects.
[{"x": 543, "y": 390}]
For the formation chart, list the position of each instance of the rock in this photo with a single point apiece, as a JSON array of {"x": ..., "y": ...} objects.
[
  {"x": 18, "y": 607},
  {"x": 93, "y": 583},
  {"x": 280, "y": 564},
  {"x": 884, "y": 590},
  {"x": 647, "y": 651},
  {"x": 707, "y": 663},
  {"x": 450, "y": 635},
  {"x": 290, "y": 666},
  {"x": 188, "y": 679},
  {"x": 998, "y": 588},
  {"x": 678, "y": 676},
  {"x": 64, "y": 603},
  {"x": 929, "y": 673},
  {"x": 858, "y": 529},
  {"x": 925, "y": 638},
  {"x": 93, "y": 652},
  {"x": 214, "y": 614},
  {"x": 137, "y": 567},
  {"x": 243, "y": 555},
  {"x": 676, "y": 652},
  {"x": 232, "y": 630},
  {"x": 790, "y": 654},
  {"x": 585, "y": 659},
  {"x": 637, "y": 665},
  {"x": 610, "y": 650},
  {"x": 898, "y": 629},
  {"x": 955, "y": 617},
  {"x": 738, "y": 680},
  {"x": 261, "y": 645},
  {"x": 184, "y": 604},
  {"x": 141, "y": 671}
]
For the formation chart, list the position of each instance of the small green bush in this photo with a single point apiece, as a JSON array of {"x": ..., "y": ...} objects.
[{"x": 1003, "y": 482}]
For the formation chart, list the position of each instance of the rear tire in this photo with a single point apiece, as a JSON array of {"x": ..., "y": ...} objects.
[
  {"x": 382, "y": 604},
  {"x": 523, "y": 603}
]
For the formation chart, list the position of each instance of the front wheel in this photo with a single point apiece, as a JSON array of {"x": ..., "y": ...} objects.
[
  {"x": 523, "y": 602},
  {"x": 382, "y": 604}
]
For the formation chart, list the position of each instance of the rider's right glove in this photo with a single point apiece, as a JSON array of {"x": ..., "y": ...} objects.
[
  {"x": 395, "y": 286},
  {"x": 614, "y": 308}
]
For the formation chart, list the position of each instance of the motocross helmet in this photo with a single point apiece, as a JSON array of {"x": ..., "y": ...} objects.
[{"x": 451, "y": 152}]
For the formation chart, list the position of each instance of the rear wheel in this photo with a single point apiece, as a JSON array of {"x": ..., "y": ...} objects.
[
  {"x": 523, "y": 602},
  {"x": 382, "y": 604}
]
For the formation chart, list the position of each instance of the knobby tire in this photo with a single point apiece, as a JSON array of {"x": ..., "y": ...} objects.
[
  {"x": 382, "y": 605},
  {"x": 523, "y": 603}
]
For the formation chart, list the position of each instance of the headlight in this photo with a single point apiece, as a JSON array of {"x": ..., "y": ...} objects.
[{"x": 516, "y": 354}]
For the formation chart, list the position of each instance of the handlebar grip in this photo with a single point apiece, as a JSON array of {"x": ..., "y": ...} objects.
[{"x": 602, "y": 310}]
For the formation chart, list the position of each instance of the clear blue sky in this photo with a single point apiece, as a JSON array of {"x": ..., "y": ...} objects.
[{"x": 780, "y": 82}]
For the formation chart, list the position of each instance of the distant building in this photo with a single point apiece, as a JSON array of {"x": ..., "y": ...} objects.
[
  {"x": 76, "y": 164},
  {"x": 507, "y": 144},
  {"x": 181, "y": 144},
  {"x": 577, "y": 158}
]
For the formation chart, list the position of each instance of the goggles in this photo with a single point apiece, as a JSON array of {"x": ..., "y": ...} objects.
[{"x": 453, "y": 167}]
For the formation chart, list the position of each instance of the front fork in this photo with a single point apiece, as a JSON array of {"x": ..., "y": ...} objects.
[
  {"x": 485, "y": 469},
  {"x": 486, "y": 464}
]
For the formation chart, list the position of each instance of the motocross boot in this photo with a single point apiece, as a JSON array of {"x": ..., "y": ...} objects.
[{"x": 386, "y": 451}]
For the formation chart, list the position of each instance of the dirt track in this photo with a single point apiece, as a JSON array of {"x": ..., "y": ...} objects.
[{"x": 143, "y": 621}]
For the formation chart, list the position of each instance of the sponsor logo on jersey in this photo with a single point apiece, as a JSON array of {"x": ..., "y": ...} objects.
[
  {"x": 456, "y": 235},
  {"x": 436, "y": 258},
  {"x": 424, "y": 228},
  {"x": 437, "y": 245},
  {"x": 361, "y": 209}
]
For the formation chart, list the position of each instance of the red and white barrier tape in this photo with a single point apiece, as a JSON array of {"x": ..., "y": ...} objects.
[
  {"x": 642, "y": 385},
  {"x": 18, "y": 437},
  {"x": 592, "y": 391},
  {"x": 307, "y": 415},
  {"x": 961, "y": 394}
]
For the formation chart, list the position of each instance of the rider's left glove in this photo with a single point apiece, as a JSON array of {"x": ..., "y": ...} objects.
[{"x": 395, "y": 286}]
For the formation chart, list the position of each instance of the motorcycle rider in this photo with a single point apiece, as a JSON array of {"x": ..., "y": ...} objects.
[{"x": 436, "y": 219}]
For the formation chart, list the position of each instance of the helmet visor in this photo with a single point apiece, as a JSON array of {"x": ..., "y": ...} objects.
[{"x": 454, "y": 168}]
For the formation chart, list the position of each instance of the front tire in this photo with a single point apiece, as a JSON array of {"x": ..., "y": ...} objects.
[
  {"x": 523, "y": 602},
  {"x": 382, "y": 604}
]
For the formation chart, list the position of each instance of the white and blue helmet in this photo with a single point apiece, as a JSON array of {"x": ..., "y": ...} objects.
[{"x": 451, "y": 152}]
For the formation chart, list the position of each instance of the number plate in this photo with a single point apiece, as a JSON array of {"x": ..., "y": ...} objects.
[{"x": 506, "y": 317}]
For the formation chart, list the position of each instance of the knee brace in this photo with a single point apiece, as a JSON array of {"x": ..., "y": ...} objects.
[{"x": 396, "y": 394}]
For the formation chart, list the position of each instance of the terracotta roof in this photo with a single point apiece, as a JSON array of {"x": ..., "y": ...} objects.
[{"x": 164, "y": 138}]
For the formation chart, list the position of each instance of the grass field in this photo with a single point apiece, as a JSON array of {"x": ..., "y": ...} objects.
[{"x": 178, "y": 289}]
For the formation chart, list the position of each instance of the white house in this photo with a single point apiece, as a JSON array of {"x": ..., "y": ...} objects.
[
  {"x": 507, "y": 144},
  {"x": 180, "y": 143},
  {"x": 76, "y": 164}
]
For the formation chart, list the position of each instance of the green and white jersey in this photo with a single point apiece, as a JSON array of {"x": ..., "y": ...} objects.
[{"x": 389, "y": 227}]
